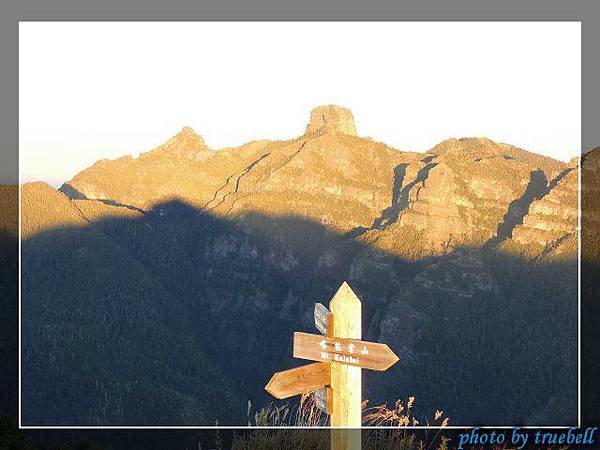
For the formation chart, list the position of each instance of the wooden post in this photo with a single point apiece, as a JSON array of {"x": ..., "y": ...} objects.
[{"x": 346, "y": 383}]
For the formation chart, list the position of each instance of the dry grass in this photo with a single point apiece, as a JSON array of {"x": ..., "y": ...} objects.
[
  {"x": 399, "y": 416},
  {"x": 306, "y": 414}
]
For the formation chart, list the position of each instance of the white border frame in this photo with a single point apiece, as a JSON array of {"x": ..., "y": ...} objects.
[{"x": 418, "y": 427}]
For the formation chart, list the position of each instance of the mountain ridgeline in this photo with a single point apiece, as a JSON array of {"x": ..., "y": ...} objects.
[{"x": 164, "y": 289}]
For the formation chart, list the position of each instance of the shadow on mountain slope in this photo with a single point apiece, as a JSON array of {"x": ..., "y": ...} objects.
[
  {"x": 538, "y": 188},
  {"x": 75, "y": 194},
  {"x": 9, "y": 322},
  {"x": 180, "y": 317},
  {"x": 390, "y": 215},
  {"x": 518, "y": 209},
  {"x": 236, "y": 184},
  {"x": 554, "y": 182},
  {"x": 422, "y": 176},
  {"x": 72, "y": 192},
  {"x": 400, "y": 197}
]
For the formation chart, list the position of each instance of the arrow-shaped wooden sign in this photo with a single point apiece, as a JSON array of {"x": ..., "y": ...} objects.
[
  {"x": 299, "y": 380},
  {"x": 321, "y": 314},
  {"x": 352, "y": 352}
]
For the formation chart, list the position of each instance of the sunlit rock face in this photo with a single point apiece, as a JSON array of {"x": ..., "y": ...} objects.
[
  {"x": 45, "y": 208},
  {"x": 173, "y": 168},
  {"x": 467, "y": 193},
  {"x": 462, "y": 193},
  {"x": 552, "y": 220}
]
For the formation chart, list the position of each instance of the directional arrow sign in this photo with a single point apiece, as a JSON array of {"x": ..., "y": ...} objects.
[
  {"x": 323, "y": 399},
  {"x": 299, "y": 380},
  {"x": 352, "y": 352},
  {"x": 321, "y": 318}
]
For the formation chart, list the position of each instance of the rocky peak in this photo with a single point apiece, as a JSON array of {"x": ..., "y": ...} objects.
[
  {"x": 186, "y": 140},
  {"x": 475, "y": 147},
  {"x": 332, "y": 119},
  {"x": 574, "y": 162},
  {"x": 187, "y": 131},
  {"x": 188, "y": 135},
  {"x": 186, "y": 145}
]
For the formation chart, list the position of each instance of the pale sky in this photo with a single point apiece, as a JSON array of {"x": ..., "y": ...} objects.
[{"x": 95, "y": 90}]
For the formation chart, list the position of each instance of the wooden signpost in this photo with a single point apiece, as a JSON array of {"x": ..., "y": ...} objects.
[{"x": 336, "y": 378}]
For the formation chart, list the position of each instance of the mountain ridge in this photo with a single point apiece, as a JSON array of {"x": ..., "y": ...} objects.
[{"x": 332, "y": 169}]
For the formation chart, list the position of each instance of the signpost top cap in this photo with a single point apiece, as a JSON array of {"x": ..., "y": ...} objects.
[{"x": 344, "y": 295}]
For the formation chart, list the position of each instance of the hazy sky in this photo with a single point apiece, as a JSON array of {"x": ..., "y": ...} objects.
[{"x": 98, "y": 90}]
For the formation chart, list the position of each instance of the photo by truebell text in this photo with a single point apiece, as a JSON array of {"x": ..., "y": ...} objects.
[{"x": 520, "y": 437}]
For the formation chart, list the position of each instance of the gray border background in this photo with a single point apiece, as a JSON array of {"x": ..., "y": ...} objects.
[{"x": 12, "y": 11}]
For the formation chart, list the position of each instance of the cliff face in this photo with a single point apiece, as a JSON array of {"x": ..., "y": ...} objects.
[
  {"x": 186, "y": 243},
  {"x": 550, "y": 227}
]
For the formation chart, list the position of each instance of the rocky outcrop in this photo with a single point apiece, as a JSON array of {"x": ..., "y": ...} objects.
[
  {"x": 331, "y": 119},
  {"x": 185, "y": 145}
]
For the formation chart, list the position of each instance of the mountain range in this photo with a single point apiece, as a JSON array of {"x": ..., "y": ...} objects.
[{"x": 164, "y": 289}]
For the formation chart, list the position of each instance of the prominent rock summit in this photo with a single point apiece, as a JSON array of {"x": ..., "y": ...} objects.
[
  {"x": 187, "y": 131},
  {"x": 185, "y": 144},
  {"x": 331, "y": 119}
]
